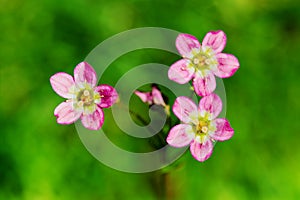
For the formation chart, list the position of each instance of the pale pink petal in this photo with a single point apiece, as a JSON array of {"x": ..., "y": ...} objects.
[
  {"x": 180, "y": 135},
  {"x": 228, "y": 64},
  {"x": 204, "y": 86},
  {"x": 85, "y": 73},
  {"x": 93, "y": 121},
  {"x": 157, "y": 97},
  {"x": 185, "y": 43},
  {"x": 223, "y": 130},
  {"x": 185, "y": 109},
  {"x": 216, "y": 40},
  {"x": 201, "y": 152},
  {"x": 211, "y": 104},
  {"x": 180, "y": 72},
  {"x": 65, "y": 113},
  {"x": 146, "y": 97},
  {"x": 62, "y": 84},
  {"x": 108, "y": 95}
]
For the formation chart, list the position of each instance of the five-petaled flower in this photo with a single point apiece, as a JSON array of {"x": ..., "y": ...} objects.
[
  {"x": 153, "y": 97},
  {"x": 200, "y": 126},
  {"x": 85, "y": 99},
  {"x": 202, "y": 62}
]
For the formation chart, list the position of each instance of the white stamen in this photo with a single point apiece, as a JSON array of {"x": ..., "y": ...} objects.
[
  {"x": 207, "y": 61},
  {"x": 198, "y": 139}
]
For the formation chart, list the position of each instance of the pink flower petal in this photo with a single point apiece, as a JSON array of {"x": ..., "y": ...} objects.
[
  {"x": 184, "y": 108},
  {"x": 157, "y": 97},
  {"x": 108, "y": 95},
  {"x": 201, "y": 152},
  {"x": 62, "y": 84},
  {"x": 144, "y": 96},
  {"x": 216, "y": 40},
  {"x": 180, "y": 135},
  {"x": 228, "y": 64},
  {"x": 83, "y": 72},
  {"x": 185, "y": 43},
  {"x": 204, "y": 85},
  {"x": 65, "y": 113},
  {"x": 93, "y": 121},
  {"x": 180, "y": 72},
  {"x": 223, "y": 130},
  {"x": 212, "y": 104}
]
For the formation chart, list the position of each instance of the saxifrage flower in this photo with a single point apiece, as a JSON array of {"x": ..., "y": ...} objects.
[
  {"x": 201, "y": 62},
  {"x": 200, "y": 127},
  {"x": 153, "y": 97},
  {"x": 85, "y": 99}
]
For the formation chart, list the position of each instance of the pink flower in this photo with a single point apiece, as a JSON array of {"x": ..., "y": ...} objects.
[
  {"x": 153, "y": 97},
  {"x": 85, "y": 100},
  {"x": 200, "y": 126},
  {"x": 202, "y": 62}
]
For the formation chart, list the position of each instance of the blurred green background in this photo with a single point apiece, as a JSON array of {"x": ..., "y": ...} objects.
[{"x": 40, "y": 159}]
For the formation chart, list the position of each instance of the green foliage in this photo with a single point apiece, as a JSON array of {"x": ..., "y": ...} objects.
[{"x": 40, "y": 159}]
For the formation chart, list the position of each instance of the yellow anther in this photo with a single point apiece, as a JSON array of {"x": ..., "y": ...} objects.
[
  {"x": 207, "y": 61},
  {"x": 204, "y": 129},
  {"x": 196, "y": 61},
  {"x": 86, "y": 93},
  {"x": 80, "y": 103}
]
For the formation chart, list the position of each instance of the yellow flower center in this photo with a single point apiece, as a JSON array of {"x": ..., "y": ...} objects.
[
  {"x": 201, "y": 61},
  {"x": 204, "y": 59},
  {"x": 202, "y": 130},
  {"x": 202, "y": 127},
  {"x": 85, "y": 98}
]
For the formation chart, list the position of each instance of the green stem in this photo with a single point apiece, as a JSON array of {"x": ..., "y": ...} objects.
[{"x": 139, "y": 117}]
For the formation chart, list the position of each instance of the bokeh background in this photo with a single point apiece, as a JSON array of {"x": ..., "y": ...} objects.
[{"x": 40, "y": 159}]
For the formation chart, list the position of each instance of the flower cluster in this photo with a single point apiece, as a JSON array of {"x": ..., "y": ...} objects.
[
  {"x": 200, "y": 127},
  {"x": 85, "y": 99}
]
